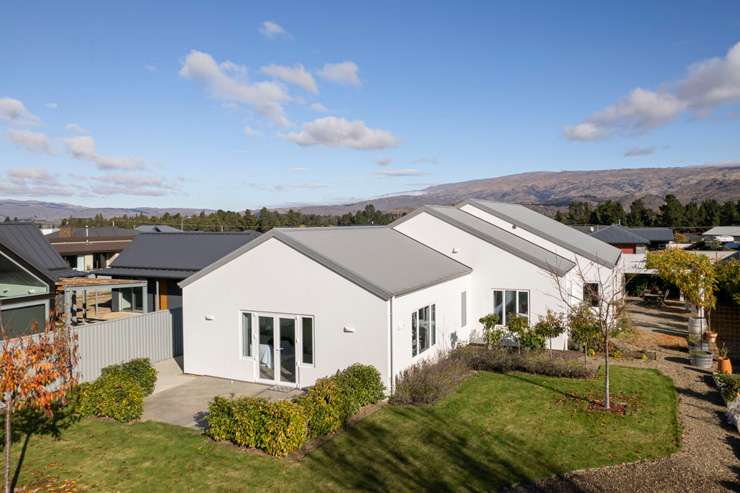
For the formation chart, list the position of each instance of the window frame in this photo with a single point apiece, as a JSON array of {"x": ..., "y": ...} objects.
[
  {"x": 431, "y": 329},
  {"x": 313, "y": 340},
  {"x": 517, "y": 291},
  {"x": 251, "y": 314},
  {"x": 464, "y": 308}
]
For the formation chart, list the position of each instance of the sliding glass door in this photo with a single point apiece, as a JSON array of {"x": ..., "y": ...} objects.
[
  {"x": 277, "y": 340},
  {"x": 287, "y": 350}
]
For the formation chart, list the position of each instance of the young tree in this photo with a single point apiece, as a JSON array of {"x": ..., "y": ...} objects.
[
  {"x": 492, "y": 334},
  {"x": 36, "y": 372},
  {"x": 598, "y": 301},
  {"x": 550, "y": 326}
]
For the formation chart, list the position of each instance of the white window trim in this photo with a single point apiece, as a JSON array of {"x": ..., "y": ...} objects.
[
  {"x": 419, "y": 353},
  {"x": 241, "y": 335},
  {"x": 298, "y": 335},
  {"x": 517, "y": 290},
  {"x": 299, "y": 340}
]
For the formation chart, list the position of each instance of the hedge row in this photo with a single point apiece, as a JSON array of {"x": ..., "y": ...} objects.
[
  {"x": 279, "y": 428},
  {"x": 429, "y": 381},
  {"x": 119, "y": 391},
  {"x": 504, "y": 360}
]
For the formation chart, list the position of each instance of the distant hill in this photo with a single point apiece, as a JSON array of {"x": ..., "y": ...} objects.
[
  {"x": 55, "y": 211},
  {"x": 541, "y": 188},
  {"x": 558, "y": 189}
]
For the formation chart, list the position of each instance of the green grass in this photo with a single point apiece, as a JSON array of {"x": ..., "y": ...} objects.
[{"x": 495, "y": 430}]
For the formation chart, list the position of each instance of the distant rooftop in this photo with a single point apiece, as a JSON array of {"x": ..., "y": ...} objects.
[
  {"x": 723, "y": 231},
  {"x": 26, "y": 242},
  {"x": 157, "y": 228},
  {"x": 91, "y": 233}
]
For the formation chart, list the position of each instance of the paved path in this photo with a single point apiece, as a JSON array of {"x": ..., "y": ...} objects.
[
  {"x": 182, "y": 400},
  {"x": 709, "y": 458}
]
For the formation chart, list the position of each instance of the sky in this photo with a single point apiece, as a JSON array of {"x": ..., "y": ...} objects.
[{"x": 238, "y": 105}]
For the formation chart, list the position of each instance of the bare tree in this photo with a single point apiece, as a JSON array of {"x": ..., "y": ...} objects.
[{"x": 603, "y": 294}]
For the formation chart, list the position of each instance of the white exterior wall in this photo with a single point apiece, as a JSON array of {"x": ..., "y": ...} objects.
[
  {"x": 587, "y": 269},
  {"x": 446, "y": 298},
  {"x": 493, "y": 268},
  {"x": 273, "y": 277}
]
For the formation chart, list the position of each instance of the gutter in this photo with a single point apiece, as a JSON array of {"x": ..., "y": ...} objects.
[{"x": 392, "y": 379}]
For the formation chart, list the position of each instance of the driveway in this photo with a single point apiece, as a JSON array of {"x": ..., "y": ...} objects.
[{"x": 182, "y": 400}]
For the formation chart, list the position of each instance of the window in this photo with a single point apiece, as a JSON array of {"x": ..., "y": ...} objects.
[
  {"x": 463, "y": 309},
  {"x": 307, "y": 340},
  {"x": 591, "y": 293},
  {"x": 247, "y": 335},
  {"x": 510, "y": 302},
  {"x": 423, "y": 329},
  {"x": 24, "y": 320}
]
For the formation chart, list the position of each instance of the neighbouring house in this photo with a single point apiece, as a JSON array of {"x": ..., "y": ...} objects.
[
  {"x": 723, "y": 234},
  {"x": 89, "y": 248},
  {"x": 29, "y": 271},
  {"x": 631, "y": 239},
  {"x": 298, "y": 304},
  {"x": 164, "y": 259},
  {"x": 157, "y": 228}
]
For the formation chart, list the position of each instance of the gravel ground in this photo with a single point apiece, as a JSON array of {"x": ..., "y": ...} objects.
[{"x": 709, "y": 457}]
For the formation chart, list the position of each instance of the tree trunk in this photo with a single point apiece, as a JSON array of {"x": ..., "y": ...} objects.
[
  {"x": 8, "y": 441},
  {"x": 606, "y": 371},
  {"x": 550, "y": 348}
]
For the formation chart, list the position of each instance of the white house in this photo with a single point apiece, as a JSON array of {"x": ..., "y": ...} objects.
[{"x": 297, "y": 304}]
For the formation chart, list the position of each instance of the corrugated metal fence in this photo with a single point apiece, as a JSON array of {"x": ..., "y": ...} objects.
[{"x": 156, "y": 335}]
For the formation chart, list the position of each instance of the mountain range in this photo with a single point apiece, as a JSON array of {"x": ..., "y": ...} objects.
[{"x": 540, "y": 188}]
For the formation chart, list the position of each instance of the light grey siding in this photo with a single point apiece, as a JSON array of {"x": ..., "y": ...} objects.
[{"x": 156, "y": 335}]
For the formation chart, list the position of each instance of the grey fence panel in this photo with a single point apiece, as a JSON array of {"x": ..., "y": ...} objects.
[{"x": 156, "y": 335}]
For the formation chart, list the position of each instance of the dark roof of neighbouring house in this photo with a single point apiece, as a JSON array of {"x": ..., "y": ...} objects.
[
  {"x": 723, "y": 231},
  {"x": 649, "y": 233},
  {"x": 619, "y": 235},
  {"x": 26, "y": 242},
  {"x": 92, "y": 234},
  {"x": 551, "y": 230},
  {"x": 174, "y": 255},
  {"x": 157, "y": 228},
  {"x": 496, "y": 236},
  {"x": 379, "y": 259}
]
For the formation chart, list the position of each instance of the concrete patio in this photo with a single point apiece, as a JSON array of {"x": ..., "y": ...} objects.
[{"x": 182, "y": 400}]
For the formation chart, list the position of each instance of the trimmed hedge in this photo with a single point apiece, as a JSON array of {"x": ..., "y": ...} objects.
[
  {"x": 139, "y": 369},
  {"x": 114, "y": 395},
  {"x": 119, "y": 391},
  {"x": 530, "y": 362},
  {"x": 279, "y": 428}
]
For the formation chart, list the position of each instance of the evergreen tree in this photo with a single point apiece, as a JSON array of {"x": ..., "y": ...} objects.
[{"x": 671, "y": 212}]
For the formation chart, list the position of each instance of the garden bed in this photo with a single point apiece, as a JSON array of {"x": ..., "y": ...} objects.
[{"x": 729, "y": 388}]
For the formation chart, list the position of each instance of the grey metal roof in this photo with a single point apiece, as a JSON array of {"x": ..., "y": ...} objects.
[
  {"x": 497, "y": 236},
  {"x": 180, "y": 251},
  {"x": 157, "y": 228},
  {"x": 377, "y": 258},
  {"x": 26, "y": 241},
  {"x": 619, "y": 235},
  {"x": 723, "y": 231},
  {"x": 140, "y": 273},
  {"x": 653, "y": 233},
  {"x": 552, "y": 230},
  {"x": 91, "y": 233}
]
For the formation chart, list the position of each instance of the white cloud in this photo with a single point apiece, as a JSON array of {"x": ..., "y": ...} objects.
[
  {"x": 296, "y": 75},
  {"x": 272, "y": 30},
  {"x": 84, "y": 148},
  {"x": 286, "y": 187},
  {"x": 52, "y": 106},
  {"x": 14, "y": 111},
  {"x": 227, "y": 82},
  {"x": 131, "y": 184},
  {"x": 31, "y": 141},
  {"x": 332, "y": 131},
  {"x": 401, "y": 172},
  {"x": 708, "y": 84},
  {"x": 639, "y": 151},
  {"x": 342, "y": 73},
  {"x": 73, "y": 127},
  {"x": 318, "y": 108},
  {"x": 384, "y": 161},
  {"x": 33, "y": 182}
]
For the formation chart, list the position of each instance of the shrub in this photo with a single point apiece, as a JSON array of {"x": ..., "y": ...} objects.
[
  {"x": 284, "y": 428},
  {"x": 361, "y": 384},
  {"x": 323, "y": 407},
  {"x": 139, "y": 369},
  {"x": 249, "y": 419},
  {"x": 220, "y": 419},
  {"x": 504, "y": 361},
  {"x": 113, "y": 395},
  {"x": 550, "y": 326},
  {"x": 493, "y": 335},
  {"x": 428, "y": 381},
  {"x": 729, "y": 386}
]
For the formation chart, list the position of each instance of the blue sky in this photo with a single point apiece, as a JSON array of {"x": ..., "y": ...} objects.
[{"x": 236, "y": 105}]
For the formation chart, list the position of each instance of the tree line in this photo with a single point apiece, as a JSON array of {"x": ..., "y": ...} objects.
[
  {"x": 672, "y": 213},
  {"x": 221, "y": 220}
]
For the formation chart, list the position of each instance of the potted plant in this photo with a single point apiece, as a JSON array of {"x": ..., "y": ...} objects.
[
  {"x": 695, "y": 342},
  {"x": 701, "y": 359},
  {"x": 725, "y": 365}
]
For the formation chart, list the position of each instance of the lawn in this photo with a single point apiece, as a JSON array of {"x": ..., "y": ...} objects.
[{"x": 495, "y": 430}]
